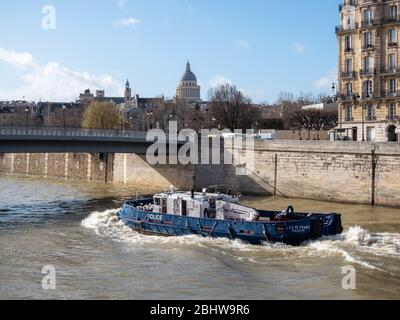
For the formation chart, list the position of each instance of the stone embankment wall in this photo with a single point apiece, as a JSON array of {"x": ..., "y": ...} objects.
[
  {"x": 91, "y": 167},
  {"x": 134, "y": 169},
  {"x": 119, "y": 168},
  {"x": 352, "y": 172}
]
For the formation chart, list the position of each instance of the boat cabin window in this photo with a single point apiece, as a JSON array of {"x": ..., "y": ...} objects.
[
  {"x": 213, "y": 202},
  {"x": 184, "y": 208},
  {"x": 164, "y": 205},
  {"x": 157, "y": 201}
]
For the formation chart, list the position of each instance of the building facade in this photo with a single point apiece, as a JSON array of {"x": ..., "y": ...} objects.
[
  {"x": 187, "y": 88},
  {"x": 369, "y": 70}
]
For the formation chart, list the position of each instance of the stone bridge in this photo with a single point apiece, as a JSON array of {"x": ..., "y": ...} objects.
[{"x": 73, "y": 140}]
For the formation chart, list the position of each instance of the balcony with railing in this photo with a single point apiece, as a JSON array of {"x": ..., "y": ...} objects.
[
  {"x": 391, "y": 20},
  {"x": 368, "y": 47},
  {"x": 348, "y": 118},
  {"x": 369, "y": 23},
  {"x": 347, "y": 97},
  {"x": 367, "y": 72},
  {"x": 370, "y": 117},
  {"x": 367, "y": 96},
  {"x": 349, "y": 75},
  {"x": 392, "y": 117},
  {"x": 390, "y": 70},
  {"x": 348, "y": 28},
  {"x": 390, "y": 94},
  {"x": 348, "y": 50}
]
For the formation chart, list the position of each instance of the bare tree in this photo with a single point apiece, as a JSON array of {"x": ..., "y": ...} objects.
[
  {"x": 313, "y": 119},
  {"x": 232, "y": 109},
  {"x": 285, "y": 96},
  {"x": 176, "y": 110}
]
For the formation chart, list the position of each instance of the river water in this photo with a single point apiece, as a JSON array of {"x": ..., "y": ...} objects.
[{"x": 72, "y": 226}]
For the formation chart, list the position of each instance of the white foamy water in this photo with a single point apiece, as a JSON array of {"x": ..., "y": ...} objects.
[{"x": 354, "y": 245}]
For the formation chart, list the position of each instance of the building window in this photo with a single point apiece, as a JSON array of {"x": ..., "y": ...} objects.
[
  {"x": 368, "y": 17},
  {"x": 370, "y": 134},
  {"x": 348, "y": 43},
  {"x": 371, "y": 113},
  {"x": 392, "y": 111},
  {"x": 367, "y": 39},
  {"x": 349, "y": 66},
  {"x": 349, "y": 89},
  {"x": 367, "y": 89},
  {"x": 368, "y": 64},
  {"x": 392, "y": 87},
  {"x": 392, "y": 62},
  {"x": 349, "y": 113},
  {"x": 392, "y": 35},
  {"x": 393, "y": 13}
]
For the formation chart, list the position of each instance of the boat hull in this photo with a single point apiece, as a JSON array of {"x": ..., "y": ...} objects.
[{"x": 289, "y": 232}]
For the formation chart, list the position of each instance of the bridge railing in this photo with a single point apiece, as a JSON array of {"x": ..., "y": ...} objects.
[{"x": 70, "y": 132}]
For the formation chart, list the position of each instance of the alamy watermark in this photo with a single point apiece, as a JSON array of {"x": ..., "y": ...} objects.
[
  {"x": 203, "y": 148},
  {"x": 349, "y": 281},
  {"x": 49, "y": 19},
  {"x": 49, "y": 279}
]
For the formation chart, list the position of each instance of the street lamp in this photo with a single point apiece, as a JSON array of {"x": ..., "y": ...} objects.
[
  {"x": 150, "y": 115},
  {"x": 334, "y": 89},
  {"x": 63, "y": 109},
  {"x": 213, "y": 119},
  {"x": 363, "y": 107},
  {"x": 356, "y": 96},
  {"x": 27, "y": 116}
]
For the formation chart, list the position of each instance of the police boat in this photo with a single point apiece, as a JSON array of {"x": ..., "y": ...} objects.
[{"x": 220, "y": 215}]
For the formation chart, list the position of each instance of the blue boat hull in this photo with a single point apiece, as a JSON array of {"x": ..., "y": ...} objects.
[{"x": 289, "y": 232}]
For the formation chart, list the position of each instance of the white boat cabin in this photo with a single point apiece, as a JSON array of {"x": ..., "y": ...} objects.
[{"x": 203, "y": 205}]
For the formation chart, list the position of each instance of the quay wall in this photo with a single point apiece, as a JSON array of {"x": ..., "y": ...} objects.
[
  {"x": 77, "y": 166},
  {"x": 350, "y": 172},
  {"x": 128, "y": 169}
]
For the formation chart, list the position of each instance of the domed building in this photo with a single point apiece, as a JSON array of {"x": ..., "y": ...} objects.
[{"x": 187, "y": 88}]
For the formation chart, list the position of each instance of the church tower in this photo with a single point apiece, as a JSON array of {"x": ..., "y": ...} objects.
[
  {"x": 128, "y": 92},
  {"x": 187, "y": 88}
]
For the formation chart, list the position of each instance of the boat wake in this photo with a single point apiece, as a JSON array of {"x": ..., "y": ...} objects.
[{"x": 356, "y": 245}]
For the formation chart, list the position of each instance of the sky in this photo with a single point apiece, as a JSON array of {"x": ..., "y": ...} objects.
[{"x": 54, "y": 49}]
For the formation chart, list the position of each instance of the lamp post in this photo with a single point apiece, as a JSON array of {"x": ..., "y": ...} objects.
[
  {"x": 27, "y": 116},
  {"x": 150, "y": 115},
  {"x": 363, "y": 107},
  {"x": 63, "y": 109},
  {"x": 336, "y": 98},
  {"x": 355, "y": 98},
  {"x": 334, "y": 90}
]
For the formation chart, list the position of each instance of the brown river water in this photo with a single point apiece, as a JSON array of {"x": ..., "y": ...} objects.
[{"x": 72, "y": 226}]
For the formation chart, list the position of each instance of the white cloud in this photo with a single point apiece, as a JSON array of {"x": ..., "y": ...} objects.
[
  {"x": 218, "y": 81},
  {"x": 325, "y": 82},
  {"x": 127, "y": 22},
  {"x": 298, "y": 47},
  {"x": 121, "y": 3},
  {"x": 18, "y": 60},
  {"x": 52, "y": 82},
  {"x": 242, "y": 44}
]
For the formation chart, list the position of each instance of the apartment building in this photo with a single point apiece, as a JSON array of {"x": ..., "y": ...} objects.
[{"x": 369, "y": 70}]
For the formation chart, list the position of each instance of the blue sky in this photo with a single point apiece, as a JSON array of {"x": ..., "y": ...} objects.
[{"x": 262, "y": 46}]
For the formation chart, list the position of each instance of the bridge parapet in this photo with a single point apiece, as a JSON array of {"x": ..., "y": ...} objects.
[{"x": 70, "y": 132}]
